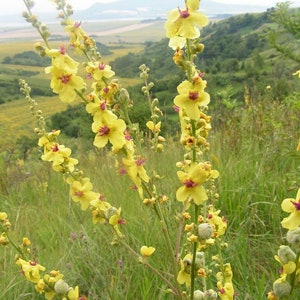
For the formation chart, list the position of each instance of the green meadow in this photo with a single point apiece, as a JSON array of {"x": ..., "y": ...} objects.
[{"x": 253, "y": 146}]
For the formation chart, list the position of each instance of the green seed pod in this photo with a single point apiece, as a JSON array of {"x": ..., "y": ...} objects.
[
  {"x": 293, "y": 237},
  {"x": 282, "y": 289},
  {"x": 286, "y": 254},
  {"x": 61, "y": 287},
  {"x": 198, "y": 295},
  {"x": 205, "y": 231}
]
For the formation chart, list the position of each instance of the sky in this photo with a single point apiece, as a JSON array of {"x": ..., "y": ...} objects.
[{"x": 8, "y": 7}]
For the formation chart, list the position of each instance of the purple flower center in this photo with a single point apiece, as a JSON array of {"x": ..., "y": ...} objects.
[
  {"x": 55, "y": 148},
  {"x": 65, "y": 78},
  {"x": 189, "y": 183},
  {"x": 193, "y": 95},
  {"x": 183, "y": 13},
  {"x": 62, "y": 50},
  {"x": 101, "y": 66},
  {"x": 140, "y": 161},
  {"x": 104, "y": 130},
  {"x": 296, "y": 204}
]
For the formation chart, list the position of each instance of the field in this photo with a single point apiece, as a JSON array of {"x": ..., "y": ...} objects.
[{"x": 253, "y": 146}]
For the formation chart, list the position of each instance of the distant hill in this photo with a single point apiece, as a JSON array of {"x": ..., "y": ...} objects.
[{"x": 237, "y": 54}]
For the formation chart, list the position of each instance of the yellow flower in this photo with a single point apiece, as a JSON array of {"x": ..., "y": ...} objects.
[
  {"x": 77, "y": 35},
  {"x": 31, "y": 269},
  {"x": 297, "y": 73},
  {"x": 99, "y": 208},
  {"x": 65, "y": 82},
  {"x": 191, "y": 97},
  {"x": 147, "y": 251},
  {"x": 219, "y": 223},
  {"x": 192, "y": 181},
  {"x": 58, "y": 155},
  {"x": 73, "y": 294},
  {"x": 47, "y": 139},
  {"x": 26, "y": 242},
  {"x": 61, "y": 60},
  {"x": 182, "y": 24},
  {"x": 3, "y": 216},
  {"x": 135, "y": 169},
  {"x": 109, "y": 130},
  {"x": 153, "y": 127},
  {"x": 99, "y": 71},
  {"x": 81, "y": 191},
  {"x": 184, "y": 275},
  {"x": 291, "y": 206}
]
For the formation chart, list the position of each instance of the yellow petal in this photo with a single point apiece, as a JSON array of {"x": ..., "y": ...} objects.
[{"x": 147, "y": 251}]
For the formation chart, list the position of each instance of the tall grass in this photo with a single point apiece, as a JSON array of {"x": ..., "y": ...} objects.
[{"x": 255, "y": 151}]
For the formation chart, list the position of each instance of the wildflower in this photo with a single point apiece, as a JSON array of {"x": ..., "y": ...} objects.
[
  {"x": 291, "y": 206},
  {"x": 26, "y": 242},
  {"x": 77, "y": 34},
  {"x": 99, "y": 209},
  {"x": 147, "y": 251},
  {"x": 224, "y": 284},
  {"x": 182, "y": 24},
  {"x": 31, "y": 269},
  {"x": 99, "y": 71},
  {"x": 153, "y": 127},
  {"x": 4, "y": 239},
  {"x": 73, "y": 294},
  {"x": 297, "y": 73},
  {"x": 81, "y": 191},
  {"x": 65, "y": 83},
  {"x": 3, "y": 216},
  {"x": 135, "y": 169},
  {"x": 286, "y": 257},
  {"x": 47, "y": 139},
  {"x": 192, "y": 181},
  {"x": 59, "y": 154},
  {"x": 219, "y": 223},
  {"x": 61, "y": 60},
  {"x": 191, "y": 97},
  {"x": 111, "y": 130},
  {"x": 184, "y": 275}
]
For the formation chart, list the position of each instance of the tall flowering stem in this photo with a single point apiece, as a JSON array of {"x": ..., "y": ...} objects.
[
  {"x": 288, "y": 256},
  {"x": 198, "y": 193}
]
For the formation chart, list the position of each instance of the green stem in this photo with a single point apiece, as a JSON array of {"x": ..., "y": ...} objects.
[
  {"x": 154, "y": 270},
  {"x": 293, "y": 277},
  {"x": 193, "y": 272},
  {"x": 19, "y": 250}
]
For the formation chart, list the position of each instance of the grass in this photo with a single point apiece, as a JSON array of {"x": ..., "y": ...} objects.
[{"x": 255, "y": 154}]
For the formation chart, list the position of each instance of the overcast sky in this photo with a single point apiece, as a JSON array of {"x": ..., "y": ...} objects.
[{"x": 17, "y": 6}]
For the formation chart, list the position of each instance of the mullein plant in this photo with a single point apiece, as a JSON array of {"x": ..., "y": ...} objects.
[
  {"x": 288, "y": 255},
  {"x": 51, "y": 284},
  {"x": 199, "y": 269},
  {"x": 204, "y": 271}
]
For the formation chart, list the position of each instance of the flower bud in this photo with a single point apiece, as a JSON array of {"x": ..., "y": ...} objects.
[
  {"x": 198, "y": 295},
  {"x": 293, "y": 236},
  {"x": 200, "y": 260},
  {"x": 281, "y": 288},
  {"x": 205, "y": 231},
  {"x": 286, "y": 254},
  {"x": 210, "y": 295},
  {"x": 61, "y": 287}
]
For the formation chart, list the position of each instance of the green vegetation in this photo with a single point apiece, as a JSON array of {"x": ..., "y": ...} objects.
[{"x": 255, "y": 119}]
